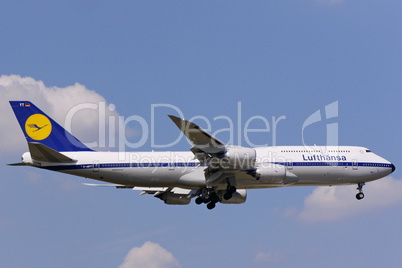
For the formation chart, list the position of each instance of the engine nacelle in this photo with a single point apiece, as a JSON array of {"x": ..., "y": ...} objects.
[
  {"x": 239, "y": 158},
  {"x": 175, "y": 199},
  {"x": 273, "y": 174},
  {"x": 239, "y": 197}
]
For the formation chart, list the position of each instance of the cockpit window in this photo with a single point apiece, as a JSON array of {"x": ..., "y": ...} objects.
[{"x": 368, "y": 151}]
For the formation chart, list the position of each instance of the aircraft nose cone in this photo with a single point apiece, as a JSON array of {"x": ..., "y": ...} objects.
[{"x": 393, "y": 168}]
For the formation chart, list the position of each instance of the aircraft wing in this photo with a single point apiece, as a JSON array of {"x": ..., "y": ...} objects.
[
  {"x": 118, "y": 186},
  {"x": 223, "y": 163},
  {"x": 155, "y": 190},
  {"x": 145, "y": 190},
  {"x": 171, "y": 196},
  {"x": 203, "y": 141}
]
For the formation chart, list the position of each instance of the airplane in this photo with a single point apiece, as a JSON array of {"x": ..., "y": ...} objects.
[{"x": 211, "y": 172}]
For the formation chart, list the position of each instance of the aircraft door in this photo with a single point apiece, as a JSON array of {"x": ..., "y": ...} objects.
[
  {"x": 171, "y": 165},
  {"x": 95, "y": 166},
  {"x": 289, "y": 164},
  {"x": 354, "y": 164}
]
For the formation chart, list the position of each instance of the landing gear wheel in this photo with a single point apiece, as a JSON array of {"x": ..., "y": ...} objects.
[
  {"x": 359, "y": 196},
  {"x": 206, "y": 195},
  {"x": 214, "y": 198},
  {"x": 199, "y": 200},
  {"x": 227, "y": 195},
  {"x": 211, "y": 205},
  {"x": 232, "y": 189}
]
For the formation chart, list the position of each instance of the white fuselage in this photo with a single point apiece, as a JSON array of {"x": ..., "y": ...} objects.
[{"x": 302, "y": 166}]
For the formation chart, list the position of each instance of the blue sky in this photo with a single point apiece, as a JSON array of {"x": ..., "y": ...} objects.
[{"x": 275, "y": 58}]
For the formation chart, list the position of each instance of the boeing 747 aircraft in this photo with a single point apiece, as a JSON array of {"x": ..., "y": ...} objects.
[{"x": 211, "y": 172}]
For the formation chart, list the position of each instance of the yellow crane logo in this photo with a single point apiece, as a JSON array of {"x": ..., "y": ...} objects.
[{"x": 38, "y": 127}]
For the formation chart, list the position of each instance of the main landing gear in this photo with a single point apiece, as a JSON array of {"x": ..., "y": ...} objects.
[
  {"x": 230, "y": 190},
  {"x": 209, "y": 197},
  {"x": 360, "y": 194}
]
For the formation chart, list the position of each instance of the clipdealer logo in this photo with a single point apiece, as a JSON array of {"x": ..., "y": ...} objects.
[{"x": 330, "y": 111}]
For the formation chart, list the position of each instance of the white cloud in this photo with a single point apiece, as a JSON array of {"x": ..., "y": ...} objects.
[
  {"x": 56, "y": 102},
  {"x": 149, "y": 255},
  {"x": 268, "y": 257},
  {"x": 336, "y": 203}
]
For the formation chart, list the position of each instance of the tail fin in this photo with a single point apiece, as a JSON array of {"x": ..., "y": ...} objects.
[{"x": 40, "y": 128}]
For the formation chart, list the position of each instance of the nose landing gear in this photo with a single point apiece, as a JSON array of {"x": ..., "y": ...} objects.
[{"x": 360, "y": 194}]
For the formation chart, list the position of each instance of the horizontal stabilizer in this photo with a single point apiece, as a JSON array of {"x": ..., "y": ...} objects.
[
  {"x": 42, "y": 153},
  {"x": 18, "y": 164}
]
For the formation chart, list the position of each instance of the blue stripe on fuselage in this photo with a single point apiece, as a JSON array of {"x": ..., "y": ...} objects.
[{"x": 194, "y": 164}]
